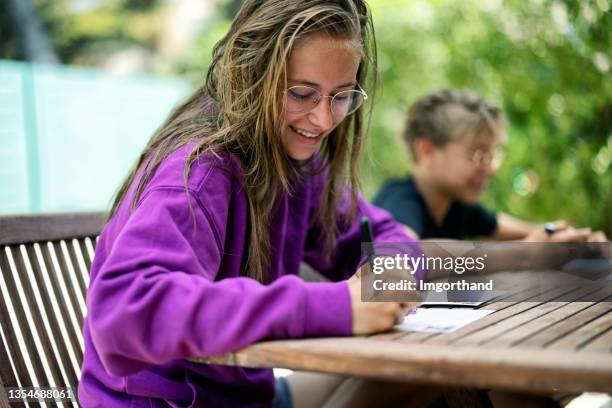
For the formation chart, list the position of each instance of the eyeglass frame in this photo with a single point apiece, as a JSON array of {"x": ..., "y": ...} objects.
[
  {"x": 478, "y": 157},
  {"x": 321, "y": 96}
]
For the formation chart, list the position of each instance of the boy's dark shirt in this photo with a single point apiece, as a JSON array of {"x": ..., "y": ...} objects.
[{"x": 406, "y": 204}]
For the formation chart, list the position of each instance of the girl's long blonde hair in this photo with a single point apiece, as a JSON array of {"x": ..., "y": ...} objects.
[{"x": 238, "y": 110}]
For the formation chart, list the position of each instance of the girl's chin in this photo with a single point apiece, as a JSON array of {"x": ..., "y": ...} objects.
[
  {"x": 301, "y": 154},
  {"x": 300, "y": 147}
]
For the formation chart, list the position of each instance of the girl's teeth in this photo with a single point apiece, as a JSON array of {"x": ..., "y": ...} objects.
[{"x": 306, "y": 134}]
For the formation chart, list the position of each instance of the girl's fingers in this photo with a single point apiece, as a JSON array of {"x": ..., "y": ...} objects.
[{"x": 409, "y": 308}]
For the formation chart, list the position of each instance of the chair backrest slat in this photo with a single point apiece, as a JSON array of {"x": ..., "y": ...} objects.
[
  {"x": 40, "y": 328},
  {"x": 81, "y": 270},
  {"x": 8, "y": 370},
  {"x": 22, "y": 338},
  {"x": 69, "y": 279},
  {"x": 68, "y": 370},
  {"x": 5, "y": 371},
  {"x": 88, "y": 248},
  {"x": 69, "y": 322},
  {"x": 44, "y": 274},
  {"x": 9, "y": 366}
]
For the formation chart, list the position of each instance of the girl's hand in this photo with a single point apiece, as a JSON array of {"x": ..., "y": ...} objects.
[{"x": 373, "y": 317}]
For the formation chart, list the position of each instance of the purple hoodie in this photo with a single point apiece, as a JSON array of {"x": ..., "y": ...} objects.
[{"x": 166, "y": 285}]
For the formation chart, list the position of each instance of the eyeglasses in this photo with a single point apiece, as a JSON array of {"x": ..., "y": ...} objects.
[
  {"x": 302, "y": 98},
  {"x": 480, "y": 157},
  {"x": 493, "y": 159}
]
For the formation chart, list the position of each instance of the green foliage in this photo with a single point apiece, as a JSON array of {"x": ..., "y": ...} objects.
[{"x": 546, "y": 63}]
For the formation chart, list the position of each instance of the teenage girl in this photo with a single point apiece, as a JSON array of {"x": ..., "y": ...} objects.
[{"x": 253, "y": 174}]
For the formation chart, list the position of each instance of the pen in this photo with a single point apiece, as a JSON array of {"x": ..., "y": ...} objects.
[{"x": 367, "y": 237}]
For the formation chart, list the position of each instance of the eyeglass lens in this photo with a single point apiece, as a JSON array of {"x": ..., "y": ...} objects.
[
  {"x": 305, "y": 98},
  {"x": 494, "y": 158}
]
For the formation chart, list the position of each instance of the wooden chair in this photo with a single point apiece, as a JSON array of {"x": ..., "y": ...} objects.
[{"x": 44, "y": 273}]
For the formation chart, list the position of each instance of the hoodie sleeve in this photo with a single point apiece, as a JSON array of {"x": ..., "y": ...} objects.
[
  {"x": 155, "y": 299},
  {"x": 347, "y": 257}
]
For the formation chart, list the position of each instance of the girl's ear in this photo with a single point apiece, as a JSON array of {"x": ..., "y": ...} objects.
[{"x": 423, "y": 149}]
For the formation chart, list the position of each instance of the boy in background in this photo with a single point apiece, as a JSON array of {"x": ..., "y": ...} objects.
[{"x": 456, "y": 140}]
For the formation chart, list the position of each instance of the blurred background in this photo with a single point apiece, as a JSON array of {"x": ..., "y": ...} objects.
[{"x": 85, "y": 83}]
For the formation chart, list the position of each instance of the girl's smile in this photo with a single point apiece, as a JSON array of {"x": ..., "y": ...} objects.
[{"x": 305, "y": 137}]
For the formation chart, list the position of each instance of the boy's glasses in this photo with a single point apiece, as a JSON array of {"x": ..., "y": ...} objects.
[
  {"x": 487, "y": 158},
  {"x": 480, "y": 157},
  {"x": 302, "y": 98}
]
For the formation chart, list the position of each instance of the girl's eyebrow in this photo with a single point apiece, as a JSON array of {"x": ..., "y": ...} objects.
[{"x": 302, "y": 81}]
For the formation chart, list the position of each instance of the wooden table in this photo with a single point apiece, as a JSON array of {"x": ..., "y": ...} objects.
[{"x": 527, "y": 346}]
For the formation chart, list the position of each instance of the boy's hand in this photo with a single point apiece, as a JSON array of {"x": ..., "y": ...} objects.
[
  {"x": 563, "y": 233},
  {"x": 598, "y": 236},
  {"x": 373, "y": 317},
  {"x": 571, "y": 234},
  {"x": 555, "y": 256}
]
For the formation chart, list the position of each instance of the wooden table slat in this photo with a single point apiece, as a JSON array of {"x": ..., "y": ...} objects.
[
  {"x": 547, "y": 320},
  {"x": 502, "y": 313},
  {"x": 495, "y": 330},
  {"x": 603, "y": 343},
  {"x": 584, "y": 334},
  {"x": 546, "y": 328},
  {"x": 543, "y": 339}
]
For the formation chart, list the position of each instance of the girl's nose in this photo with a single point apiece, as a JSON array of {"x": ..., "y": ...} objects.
[{"x": 321, "y": 115}]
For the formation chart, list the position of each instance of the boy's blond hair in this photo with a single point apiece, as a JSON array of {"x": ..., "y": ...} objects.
[{"x": 448, "y": 115}]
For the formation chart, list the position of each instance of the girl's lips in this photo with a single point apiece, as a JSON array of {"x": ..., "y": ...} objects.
[{"x": 310, "y": 141}]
